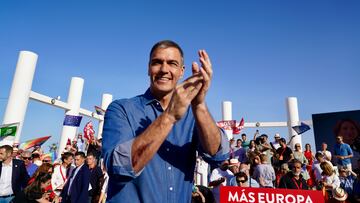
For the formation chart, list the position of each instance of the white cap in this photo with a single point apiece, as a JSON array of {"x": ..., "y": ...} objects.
[{"x": 233, "y": 162}]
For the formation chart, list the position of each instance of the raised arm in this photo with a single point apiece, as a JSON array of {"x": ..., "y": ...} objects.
[
  {"x": 209, "y": 133},
  {"x": 147, "y": 144}
]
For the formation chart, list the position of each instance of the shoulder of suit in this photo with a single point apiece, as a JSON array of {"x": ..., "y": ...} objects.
[{"x": 17, "y": 161}]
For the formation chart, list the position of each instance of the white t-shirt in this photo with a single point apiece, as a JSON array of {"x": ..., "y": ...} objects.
[{"x": 215, "y": 175}]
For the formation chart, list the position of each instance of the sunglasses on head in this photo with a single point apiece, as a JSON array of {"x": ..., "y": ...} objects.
[
  {"x": 46, "y": 161},
  {"x": 28, "y": 158}
]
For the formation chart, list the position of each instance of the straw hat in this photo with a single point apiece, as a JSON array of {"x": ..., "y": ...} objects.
[{"x": 339, "y": 194}]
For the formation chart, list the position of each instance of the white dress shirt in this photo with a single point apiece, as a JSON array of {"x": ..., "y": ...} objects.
[
  {"x": 5, "y": 179},
  {"x": 58, "y": 178}
]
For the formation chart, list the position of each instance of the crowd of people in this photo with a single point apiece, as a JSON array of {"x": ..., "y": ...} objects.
[
  {"x": 79, "y": 176},
  {"x": 31, "y": 176},
  {"x": 150, "y": 144},
  {"x": 260, "y": 163}
]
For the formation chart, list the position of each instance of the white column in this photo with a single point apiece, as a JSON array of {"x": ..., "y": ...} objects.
[
  {"x": 74, "y": 100},
  {"x": 106, "y": 100},
  {"x": 227, "y": 116},
  {"x": 293, "y": 120},
  {"x": 20, "y": 92}
]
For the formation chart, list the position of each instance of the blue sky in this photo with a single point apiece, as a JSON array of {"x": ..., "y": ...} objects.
[{"x": 262, "y": 52}]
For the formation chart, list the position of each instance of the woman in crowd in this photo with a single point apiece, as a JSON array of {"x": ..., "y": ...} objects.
[
  {"x": 36, "y": 191},
  {"x": 310, "y": 160},
  {"x": 44, "y": 168},
  {"x": 298, "y": 154},
  {"x": 330, "y": 180},
  {"x": 252, "y": 146}
]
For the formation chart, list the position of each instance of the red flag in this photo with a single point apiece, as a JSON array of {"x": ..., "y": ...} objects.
[
  {"x": 237, "y": 129},
  {"x": 89, "y": 131},
  {"x": 68, "y": 142},
  {"x": 226, "y": 125}
]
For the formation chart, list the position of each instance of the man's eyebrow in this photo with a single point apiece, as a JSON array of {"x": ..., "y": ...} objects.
[
  {"x": 172, "y": 61},
  {"x": 156, "y": 60}
]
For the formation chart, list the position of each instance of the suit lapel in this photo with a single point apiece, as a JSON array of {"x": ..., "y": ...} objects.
[
  {"x": 15, "y": 169},
  {"x": 0, "y": 167}
]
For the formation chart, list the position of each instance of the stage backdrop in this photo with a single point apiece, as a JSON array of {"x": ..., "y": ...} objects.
[{"x": 347, "y": 123}]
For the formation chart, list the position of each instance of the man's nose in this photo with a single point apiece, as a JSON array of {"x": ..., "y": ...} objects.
[{"x": 164, "y": 67}]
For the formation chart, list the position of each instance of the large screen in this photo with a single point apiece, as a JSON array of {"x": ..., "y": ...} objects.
[{"x": 346, "y": 123}]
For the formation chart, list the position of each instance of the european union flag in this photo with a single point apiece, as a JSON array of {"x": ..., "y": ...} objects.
[
  {"x": 300, "y": 129},
  {"x": 72, "y": 120}
]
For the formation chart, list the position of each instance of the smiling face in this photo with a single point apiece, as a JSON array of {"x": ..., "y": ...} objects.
[
  {"x": 165, "y": 69},
  {"x": 348, "y": 131}
]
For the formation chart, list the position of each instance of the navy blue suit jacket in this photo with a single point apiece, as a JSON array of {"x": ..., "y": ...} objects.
[
  {"x": 79, "y": 191},
  {"x": 20, "y": 177}
]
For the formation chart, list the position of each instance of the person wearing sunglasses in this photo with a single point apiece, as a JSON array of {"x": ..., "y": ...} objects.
[
  {"x": 242, "y": 179},
  {"x": 343, "y": 153},
  {"x": 30, "y": 166}
]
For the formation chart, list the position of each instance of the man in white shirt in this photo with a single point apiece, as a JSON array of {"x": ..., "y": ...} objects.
[
  {"x": 61, "y": 172},
  {"x": 220, "y": 177},
  {"x": 276, "y": 144},
  {"x": 13, "y": 175},
  {"x": 325, "y": 152}
]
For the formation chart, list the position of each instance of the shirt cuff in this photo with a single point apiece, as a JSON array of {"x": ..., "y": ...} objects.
[
  {"x": 121, "y": 159},
  {"x": 223, "y": 151}
]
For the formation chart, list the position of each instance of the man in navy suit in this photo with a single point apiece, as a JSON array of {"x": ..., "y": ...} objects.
[
  {"x": 13, "y": 174},
  {"x": 76, "y": 189}
]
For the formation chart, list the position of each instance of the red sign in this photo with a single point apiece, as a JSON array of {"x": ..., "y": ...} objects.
[
  {"x": 227, "y": 125},
  {"x": 268, "y": 195}
]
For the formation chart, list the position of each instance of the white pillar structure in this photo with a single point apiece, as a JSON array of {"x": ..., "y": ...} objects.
[
  {"x": 293, "y": 120},
  {"x": 227, "y": 116},
  {"x": 19, "y": 93},
  {"x": 106, "y": 100},
  {"x": 74, "y": 100}
]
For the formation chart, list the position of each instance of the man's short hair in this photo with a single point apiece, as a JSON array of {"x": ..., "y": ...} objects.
[
  {"x": 81, "y": 154},
  {"x": 92, "y": 154},
  {"x": 282, "y": 140},
  {"x": 35, "y": 155},
  {"x": 243, "y": 134},
  {"x": 241, "y": 174},
  {"x": 293, "y": 162},
  {"x": 66, "y": 155},
  {"x": 318, "y": 155},
  {"x": 8, "y": 148},
  {"x": 166, "y": 44}
]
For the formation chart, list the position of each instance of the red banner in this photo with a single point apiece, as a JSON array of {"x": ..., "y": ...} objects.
[
  {"x": 268, "y": 195},
  {"x": 227, "y": 125}
]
